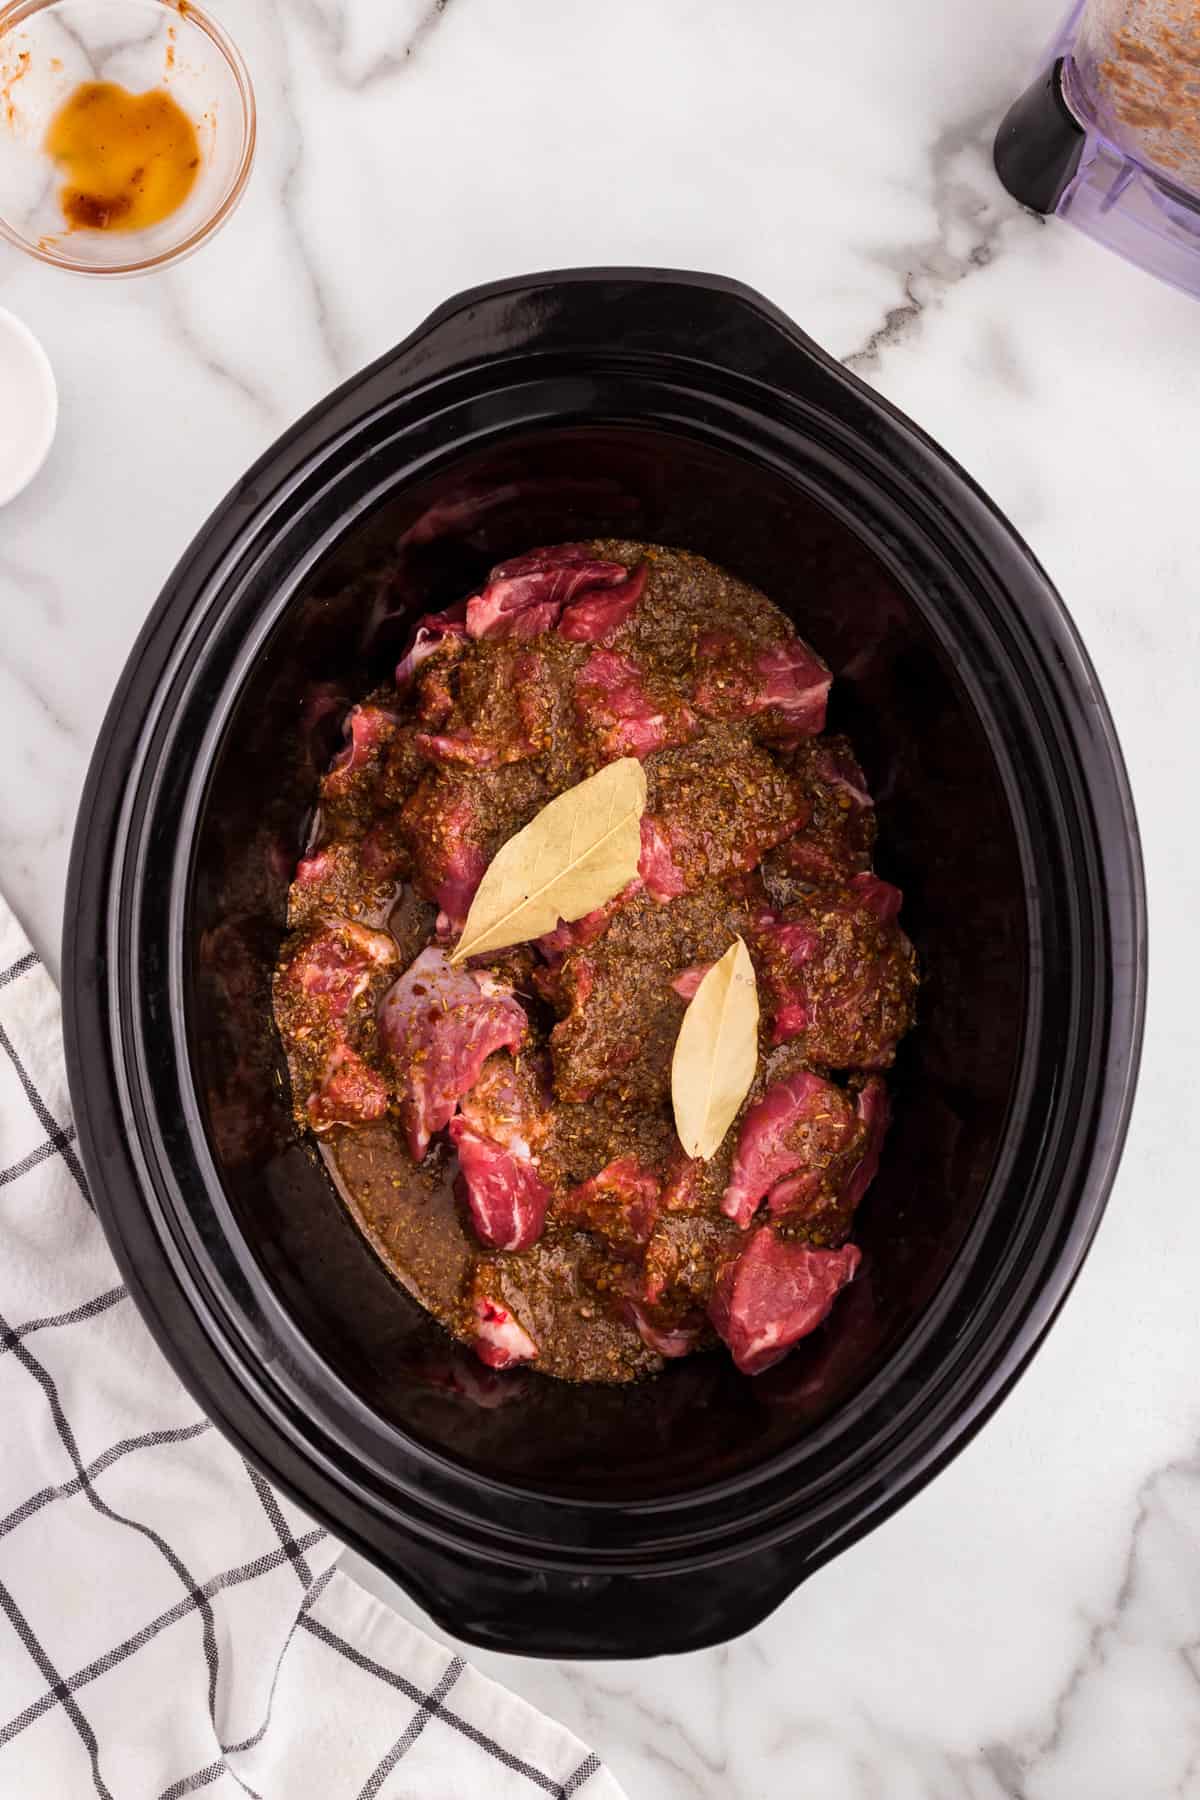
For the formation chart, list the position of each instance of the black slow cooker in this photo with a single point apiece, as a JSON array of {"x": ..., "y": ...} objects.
[{"x": 526, "y": 1514}]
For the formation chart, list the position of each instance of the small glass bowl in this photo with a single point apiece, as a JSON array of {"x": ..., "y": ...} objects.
[{"x": 47, "y": 48}]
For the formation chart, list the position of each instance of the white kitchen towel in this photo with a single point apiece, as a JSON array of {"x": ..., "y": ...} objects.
[{"x": 170, "y": 1625}]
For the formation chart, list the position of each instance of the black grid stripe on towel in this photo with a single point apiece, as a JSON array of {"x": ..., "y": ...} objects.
[{"x": 289, "y": 1722}]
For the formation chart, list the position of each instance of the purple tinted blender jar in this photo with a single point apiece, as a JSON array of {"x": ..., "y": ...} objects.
[{"x": 1108, "y": 135}]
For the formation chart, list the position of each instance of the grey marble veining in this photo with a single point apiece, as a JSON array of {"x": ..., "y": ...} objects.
[
  {"x": 973, "y": 219},
  {"x": 1029, "y": 1627}
]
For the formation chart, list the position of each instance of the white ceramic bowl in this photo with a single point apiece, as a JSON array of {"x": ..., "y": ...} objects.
[{"x": 29, "y": 415}]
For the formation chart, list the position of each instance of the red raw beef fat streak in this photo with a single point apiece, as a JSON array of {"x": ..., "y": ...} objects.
[
  {"x": 497, "y": 1134},
  {"x": 439, "y": 1026},
  {"x": 787, "y": 685},
  {"x": 430, "y": 635},
  {"x": 505, "y": 1194},
  {"x": 774, "y": 1294},
  {"x": 331, "y": 975},
  {"x": 500, "y": 1340},
  {"x": 527, "y": 596}
]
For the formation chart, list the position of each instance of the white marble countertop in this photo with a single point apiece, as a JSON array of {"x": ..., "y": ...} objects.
[{"x": 1029, "y": 1625}]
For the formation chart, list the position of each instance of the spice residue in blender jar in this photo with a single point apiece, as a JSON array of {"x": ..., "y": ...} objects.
[{"x": 130, "y": 160}]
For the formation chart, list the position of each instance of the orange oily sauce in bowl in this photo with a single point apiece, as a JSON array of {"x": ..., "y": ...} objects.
[{"x": 130, "y": 160}]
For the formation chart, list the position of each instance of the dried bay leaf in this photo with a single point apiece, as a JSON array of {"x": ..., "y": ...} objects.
[
  {"x": 577, "y": 853},
  {"x": 716, "y": 1053}
]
